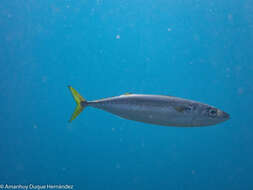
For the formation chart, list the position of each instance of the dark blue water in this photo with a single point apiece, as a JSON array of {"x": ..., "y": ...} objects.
[{"x": 200, "y": 50}]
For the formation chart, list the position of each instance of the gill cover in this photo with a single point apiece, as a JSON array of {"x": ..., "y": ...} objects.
[{"x": 79, "y": 103}]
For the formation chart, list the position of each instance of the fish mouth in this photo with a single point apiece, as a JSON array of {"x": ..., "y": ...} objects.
[{"x": 225, "y": 116}]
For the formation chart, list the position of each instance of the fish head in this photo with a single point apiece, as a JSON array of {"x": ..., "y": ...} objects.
[{"x": 209, "y": 115}]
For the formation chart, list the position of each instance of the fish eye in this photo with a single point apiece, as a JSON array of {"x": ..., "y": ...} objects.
[{"x": 212, "y": 112}]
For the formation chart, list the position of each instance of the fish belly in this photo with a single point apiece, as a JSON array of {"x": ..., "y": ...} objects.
[{"x": 159, "y": 115}]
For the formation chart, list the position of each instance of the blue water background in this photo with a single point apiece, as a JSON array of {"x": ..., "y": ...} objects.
[{"x": 200, "y": 50}]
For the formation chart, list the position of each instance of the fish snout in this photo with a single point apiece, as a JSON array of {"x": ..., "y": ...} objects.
[{"x": 223, "y": 115}]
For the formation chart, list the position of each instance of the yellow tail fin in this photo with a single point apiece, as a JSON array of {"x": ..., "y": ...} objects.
[{"x": 80, "y": 101}]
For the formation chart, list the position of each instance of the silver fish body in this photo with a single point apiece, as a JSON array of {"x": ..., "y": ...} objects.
[{"x": 160, "y": 110}]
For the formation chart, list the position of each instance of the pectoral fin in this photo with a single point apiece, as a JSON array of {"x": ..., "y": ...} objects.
[{"x": 179, "y": 108}]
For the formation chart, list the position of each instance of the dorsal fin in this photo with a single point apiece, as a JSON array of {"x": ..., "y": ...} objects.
[{"x": 127, "y": 93}]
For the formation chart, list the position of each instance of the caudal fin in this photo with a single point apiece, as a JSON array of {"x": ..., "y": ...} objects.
[{"x": 80, "y": 103}]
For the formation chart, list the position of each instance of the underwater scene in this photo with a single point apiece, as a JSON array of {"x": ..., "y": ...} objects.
[{"x": 115, "y": 59}]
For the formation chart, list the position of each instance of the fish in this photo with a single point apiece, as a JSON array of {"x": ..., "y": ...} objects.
[{"x": 154, "y": 109}]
